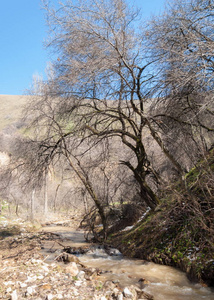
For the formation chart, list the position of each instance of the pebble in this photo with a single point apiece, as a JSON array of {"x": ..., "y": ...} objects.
[
  {"x": 120, "y": 296},
  {"x": 22, "y": 285},
  {"x": 127, "y": 293},
  {"x": 8, "y": 283},
  {"x": 78, "y": 283},
  {"x": 30, "y": 290},
  {"x": 46, "y": 269},
  {"x": 72, "y": 269},
  {"x": 31, "y": 279},
  {"x": 81, "y": 275},
  {"x": 14, "y": 295},
  {"x": 9, "y": 290}
]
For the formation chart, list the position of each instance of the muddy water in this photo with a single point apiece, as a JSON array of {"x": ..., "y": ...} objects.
[{"x": 163, "y": 282}]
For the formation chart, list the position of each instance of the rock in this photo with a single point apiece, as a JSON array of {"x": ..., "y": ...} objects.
[
  {"x": 66, "y": 258},
  {"x": 31, "y": 278},
  {"x": 130, "y": 293},
  {"x": 90, "y": 273},
  {"x": 81, "y": 275},
  {"x": 120, "y": 296},
  {"x": 46, "y": 286},
  {"x": 127, "y": 293},
  {"x": 22, "y": 284},
  {"x": 46, "y": 269},
  {"x": 141, "y": 294},
  {"x": 109, "y": 285},
  {"x": 145, "y": 296},
  {"x": 30, "y": 290},
  {"x": 8, "y": 283},
  {"x": 112, "y": 251},
  {"x": 14, "y": 295},
  {"x": 78, "y": 283},
  {"x": 72, "y": 269}
]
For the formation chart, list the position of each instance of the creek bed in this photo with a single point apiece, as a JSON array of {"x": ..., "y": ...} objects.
[{"x": 163, "y": 282}]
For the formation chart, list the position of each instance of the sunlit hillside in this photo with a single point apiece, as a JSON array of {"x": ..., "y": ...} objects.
[{"x": 11, "y": 109}]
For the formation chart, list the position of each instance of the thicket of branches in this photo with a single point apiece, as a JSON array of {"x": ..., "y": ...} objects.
[{"x": 114, "y": 83}]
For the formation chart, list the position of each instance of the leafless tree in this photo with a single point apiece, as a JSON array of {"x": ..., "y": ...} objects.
[
  {"x": 182, "y": 40},
  {"x": 103, "y": 76},
  {"x": 103, "y": 83}
]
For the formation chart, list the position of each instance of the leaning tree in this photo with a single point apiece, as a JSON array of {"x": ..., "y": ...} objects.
[{"x": 102, "y": 81}]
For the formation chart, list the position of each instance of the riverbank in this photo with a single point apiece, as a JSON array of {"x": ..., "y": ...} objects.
[
  {"x": 180, "y": 232},
  {"x": 34, "y": 266},
  {"x": 36, "y": 263}
]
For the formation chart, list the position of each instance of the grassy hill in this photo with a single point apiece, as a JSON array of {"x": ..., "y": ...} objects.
[{"x": 11, "y": 109}]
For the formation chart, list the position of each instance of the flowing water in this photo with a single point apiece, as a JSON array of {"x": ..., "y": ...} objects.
[{"x": 163, "y": 282}]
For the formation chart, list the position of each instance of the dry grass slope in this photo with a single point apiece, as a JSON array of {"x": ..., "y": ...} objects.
[{"x": 11, "y": 109}]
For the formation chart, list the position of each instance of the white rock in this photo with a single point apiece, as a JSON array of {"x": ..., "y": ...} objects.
[
  {"x": 72, "y": 269},
  {"x": 78, "y": 283},
  {"x": 127, "y": 293},
  {"x": 59, "y": 296},
  {"x": 103, "y": 298},
  {"x": 40, "y": 277},
  {"x": 8, "y": 283},
  {"x": 30, "y": 290},
  {"x": 9, "y": 290},
  {"x": 45, "y": 268},
  {"x": 81, "y": 275},
  {"x": 49, "y": 297},
  {"x": 22, "y": 284},
  {"x": 14, "y": 295},
  {"x": 31, "y": 278},
  {"x": 36, "y": 261},
  {"x": 120, "y": 296}
]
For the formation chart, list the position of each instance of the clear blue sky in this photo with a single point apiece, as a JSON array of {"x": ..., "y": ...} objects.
[{"x": 22, "y": 34}]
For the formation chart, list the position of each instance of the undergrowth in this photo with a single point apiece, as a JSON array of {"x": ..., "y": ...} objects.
[{"x": 181, "y": 231}]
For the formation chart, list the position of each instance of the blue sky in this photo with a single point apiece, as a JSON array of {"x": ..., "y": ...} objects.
[{"x": 22, "y": 35}]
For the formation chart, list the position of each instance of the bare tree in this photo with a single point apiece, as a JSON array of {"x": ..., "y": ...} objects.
[
  {"x": 101, "y": 86},
  {"x": 103, "y": 77},
  {"x": 182, "y": 40}
]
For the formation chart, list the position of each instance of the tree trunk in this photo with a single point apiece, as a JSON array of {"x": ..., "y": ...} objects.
[
  {"x": 32, "y": 204},
  {"x": 165, "y": 151},
  {"x": 92, "y": 193},
  {"x": 148, "y": 195},
  {"x": 46, "y": 197}
]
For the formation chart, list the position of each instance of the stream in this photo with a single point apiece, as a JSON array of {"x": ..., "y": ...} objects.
[{"x": 163, "y": 282}]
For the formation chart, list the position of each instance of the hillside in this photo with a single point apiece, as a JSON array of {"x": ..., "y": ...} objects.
[
  {"x": 180, "y": 231},
  {"x": 11, "y": 109}
]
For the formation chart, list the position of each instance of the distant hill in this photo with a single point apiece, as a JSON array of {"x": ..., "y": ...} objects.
[{"x": 11, "y": 109}]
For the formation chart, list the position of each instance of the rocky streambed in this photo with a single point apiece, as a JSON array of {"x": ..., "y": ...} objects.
[
  {"x": 142, "y": 278},
  {"x": 34, "y": 265},
  {"x": 57, "y": 263}
]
